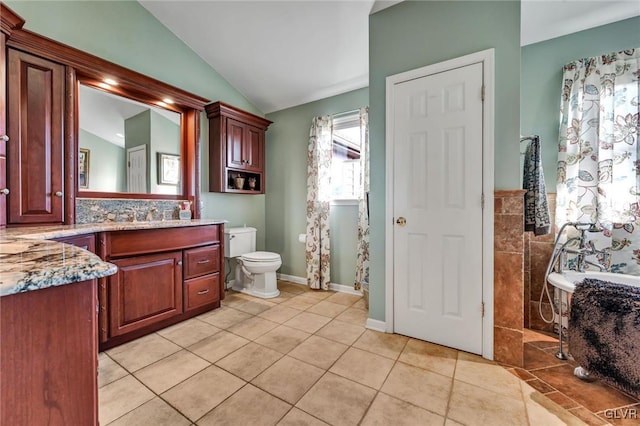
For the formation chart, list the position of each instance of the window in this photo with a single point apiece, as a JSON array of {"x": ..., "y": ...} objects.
[{"x": 345, "y": 162}]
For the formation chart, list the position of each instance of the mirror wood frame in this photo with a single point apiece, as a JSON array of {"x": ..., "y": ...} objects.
[{"x": 85, "y": 68}]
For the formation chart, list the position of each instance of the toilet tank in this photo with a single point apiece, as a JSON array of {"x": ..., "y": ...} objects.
[{"x": 238, "y": 241}]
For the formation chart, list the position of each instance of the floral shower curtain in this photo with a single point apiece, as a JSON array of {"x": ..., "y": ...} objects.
[
  {"x": 318, "y": 248},
  {"x": 598, "y": 158},
  {"x": 362, "y": 259}
]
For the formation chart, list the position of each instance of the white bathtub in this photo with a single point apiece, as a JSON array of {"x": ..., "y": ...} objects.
[{"x": 567, "y": 280}]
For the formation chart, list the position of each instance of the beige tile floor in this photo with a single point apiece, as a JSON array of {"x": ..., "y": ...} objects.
[{"x": 305, "y": 358}]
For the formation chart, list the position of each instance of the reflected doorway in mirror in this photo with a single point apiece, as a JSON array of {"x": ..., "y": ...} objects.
[
  {"x": 83, "y": 168},
  {"x": 168, "y": 169}
]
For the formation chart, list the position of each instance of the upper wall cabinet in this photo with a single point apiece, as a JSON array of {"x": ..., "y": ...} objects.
[
  {"x": 236, "y": 150},
  {"x": 35, "y": 171}
]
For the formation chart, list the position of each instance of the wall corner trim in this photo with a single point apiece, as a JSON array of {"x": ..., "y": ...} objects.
[{"x": 376, "y": 325}]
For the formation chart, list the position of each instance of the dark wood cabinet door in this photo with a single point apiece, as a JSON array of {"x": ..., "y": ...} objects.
[
  {"x": 235, "y": 144},
  {"x": 49, "y": 356},
  {"x": 144, "y": 291},
  {"x": 254, "y": 147},
  {"x": 35, "y": 125}
]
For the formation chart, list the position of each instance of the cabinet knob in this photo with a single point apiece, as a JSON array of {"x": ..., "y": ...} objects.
[
  {"x": 5, "y": 191},
  {"x": 58, "y": 194},
  {"x": 5, "y": 138},
  {"x": 179, "y": 263}
]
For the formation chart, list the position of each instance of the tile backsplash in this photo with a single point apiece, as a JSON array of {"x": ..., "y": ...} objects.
[{"x": 100, "y": 210}]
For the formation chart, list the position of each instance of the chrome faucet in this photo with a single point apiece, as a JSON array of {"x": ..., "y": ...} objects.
[
  {"x": 133, "y": 215},
  {"x": 585, "y": 248},
  {"x": 150, "y": 213}
]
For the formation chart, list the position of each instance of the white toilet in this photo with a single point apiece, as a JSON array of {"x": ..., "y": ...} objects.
[{"x": 255, "y": 270}]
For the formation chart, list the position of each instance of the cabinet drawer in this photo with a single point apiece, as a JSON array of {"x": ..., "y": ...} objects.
[
  {"x": 87, "y": 242},
  {"x": 201, "y": 291},
  {"x": 128, "y": 243},
  {"x": 201, "y": 261}
]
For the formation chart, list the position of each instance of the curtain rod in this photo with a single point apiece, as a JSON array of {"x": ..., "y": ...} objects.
[{"x": 353, "y": 111}]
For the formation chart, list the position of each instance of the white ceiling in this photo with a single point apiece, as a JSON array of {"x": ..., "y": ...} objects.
[{"x": 285, "y": 53}]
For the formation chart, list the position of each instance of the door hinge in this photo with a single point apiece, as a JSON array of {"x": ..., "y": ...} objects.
[
  {"x": 482, "y": 201},
  {"x": 482, "y": 309},
  {"x": 482, "y": 93}
]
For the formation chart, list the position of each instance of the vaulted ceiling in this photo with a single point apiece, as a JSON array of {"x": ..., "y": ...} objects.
[{"x": 285, "y": 53}]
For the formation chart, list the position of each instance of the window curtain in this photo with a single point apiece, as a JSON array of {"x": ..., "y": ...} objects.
[
  {"x": 318, "y": 247},
  {"x": 598, "y": 161},
  {"x": 362, "y": 259}
]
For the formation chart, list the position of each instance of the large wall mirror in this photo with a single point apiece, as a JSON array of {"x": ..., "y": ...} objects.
[
  {"x": 135, "y": 137},
  {"x": 126, "y": 146}
]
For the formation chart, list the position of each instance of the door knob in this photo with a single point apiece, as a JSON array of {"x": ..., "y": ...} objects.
[
  {"x": 5, "y": 191},
  {"x": 58, "y": 194},
  {"x": 401, "y": 221}
]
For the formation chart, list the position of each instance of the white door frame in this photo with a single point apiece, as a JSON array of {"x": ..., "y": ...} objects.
[{"x": 486, "y": 57}]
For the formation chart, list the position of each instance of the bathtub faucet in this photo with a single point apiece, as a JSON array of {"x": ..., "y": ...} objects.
[{"x": 585, "y": 248}]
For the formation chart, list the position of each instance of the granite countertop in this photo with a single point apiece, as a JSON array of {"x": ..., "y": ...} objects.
[
  {"x": 29, "y": 262},
  {"x": 60, "y": 231}
]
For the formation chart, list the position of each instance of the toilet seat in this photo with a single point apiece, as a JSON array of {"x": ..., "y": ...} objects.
[{"x": 261, "y": 256}]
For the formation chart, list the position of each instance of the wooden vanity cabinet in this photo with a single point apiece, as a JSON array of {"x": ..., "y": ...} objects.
[
  {"x": 165, "y": 276},
  {"x": 49, "y": 356},
  {"x": 236, "y": 149},
  {"x": 50, "y": 342}
]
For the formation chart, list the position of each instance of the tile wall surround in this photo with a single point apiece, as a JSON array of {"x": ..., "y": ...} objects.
[
  {"x": 520, "y": 263},
  {"x": 100, "y": 210},
  {"x": 537, "y": 253},
  {"x": 508, "y": 274}
]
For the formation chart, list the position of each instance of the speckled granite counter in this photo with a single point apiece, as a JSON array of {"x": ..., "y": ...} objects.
[
  {"x": 28, "y": 262},
  {"x": 60, "y": 231}
]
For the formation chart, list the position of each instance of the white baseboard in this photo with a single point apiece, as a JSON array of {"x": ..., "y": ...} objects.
[
  {"x": 293, "y": 279},
  {"x": 341, "y": 288},
  {"x": 376, "y": 325}
]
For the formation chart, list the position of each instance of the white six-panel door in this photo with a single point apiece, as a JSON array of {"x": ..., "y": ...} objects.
[
  {"x": 438, "y": 191},
  {"x": 137, "y": 169}
]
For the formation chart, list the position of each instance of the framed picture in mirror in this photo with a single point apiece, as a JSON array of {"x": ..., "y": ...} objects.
[
  {"x": 83, "y": 168},
  {"x": 168, "y": 169}
]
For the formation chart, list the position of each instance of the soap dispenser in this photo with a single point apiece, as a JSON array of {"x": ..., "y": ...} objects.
[{"x": 185, "y": 210}]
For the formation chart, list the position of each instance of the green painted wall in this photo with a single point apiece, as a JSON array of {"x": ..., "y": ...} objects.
[
  {"x": 106, "y": 163},
  {"x": 414, "y": 34},
  {"x": 125, "y": 33},
  {"x": 137, "y": 132},
  {"x": 541, "y": 80},
  {"x": 164, "y": 137},
  {"x": 287, "y": 141}
]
